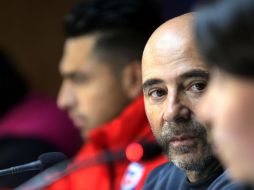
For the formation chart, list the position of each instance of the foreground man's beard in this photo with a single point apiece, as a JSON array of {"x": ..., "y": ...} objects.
[{"x": 193, "y": 156}]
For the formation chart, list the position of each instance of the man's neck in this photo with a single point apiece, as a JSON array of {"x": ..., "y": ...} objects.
[{"x": 196, "y": 176}]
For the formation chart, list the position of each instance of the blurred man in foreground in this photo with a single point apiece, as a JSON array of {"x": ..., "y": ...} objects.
[{"x": 225, "y": 36}]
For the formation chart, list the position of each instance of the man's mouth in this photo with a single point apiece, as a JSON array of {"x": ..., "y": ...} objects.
[
  {"x": 181, "y": 140},
  {"x": 77, "y": 121}
]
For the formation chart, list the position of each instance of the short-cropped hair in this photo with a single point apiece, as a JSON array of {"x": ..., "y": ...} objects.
[{"x": 122, "y": 27}]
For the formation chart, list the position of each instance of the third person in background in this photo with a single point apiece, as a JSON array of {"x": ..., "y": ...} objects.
[{"x": 102, "y": 91}]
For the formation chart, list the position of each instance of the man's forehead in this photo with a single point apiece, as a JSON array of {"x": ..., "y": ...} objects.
[
  {"x": 168, "y": 49},
  {"x": 174, "y": 65},
  {"x": 174, "y": 70},
  {"x": 171, "y": 54},
  {"x": 77, "y": 50},
  {"x": 175, "y": 74},
  {"x": 71, "y": 64},
  {"x": 174, "y": 36}
]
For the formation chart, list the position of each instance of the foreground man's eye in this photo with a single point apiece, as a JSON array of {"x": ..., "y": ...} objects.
[
  {"x": 156, "y": 94},
  {"x": 198, "y": 87}
]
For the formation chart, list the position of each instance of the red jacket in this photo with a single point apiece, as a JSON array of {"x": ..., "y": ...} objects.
[{"x": 130, "y": 126}]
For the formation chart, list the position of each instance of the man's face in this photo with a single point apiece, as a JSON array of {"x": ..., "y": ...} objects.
[
  {"x": 90, "y": 93},
  {"x": 174, "y": 79},
  {"x": 228, "y": 105}
]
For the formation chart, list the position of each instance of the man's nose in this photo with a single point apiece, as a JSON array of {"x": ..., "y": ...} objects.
[
  {"x": 66, "y": 98},
  {"x": 175, "y": 109}
]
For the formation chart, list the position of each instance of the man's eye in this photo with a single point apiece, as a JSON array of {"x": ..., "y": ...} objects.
[
  {"x": 157, "y": 93},
  {"x": 198, "y": 87},
  {"x": 78, "y": 79}
]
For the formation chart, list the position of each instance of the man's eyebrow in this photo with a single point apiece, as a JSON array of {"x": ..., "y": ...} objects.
[
  {"x": 151, "y": 82},
  {"x": 69, "y": 75},
  {"x": 66, "y": 75},
  {"x": 195, "y": 73}
]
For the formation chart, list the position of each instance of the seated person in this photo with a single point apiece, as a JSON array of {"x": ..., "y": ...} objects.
[
  {"x": 174, "y": 80},
  {"x": 30, "y": 125},
  {"x": 225, "y": 36},
  {"x": 102, "y": 91}
]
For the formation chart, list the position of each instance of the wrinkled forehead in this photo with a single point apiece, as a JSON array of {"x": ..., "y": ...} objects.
[
  {"x": 165, "y": 48},
  {"x": 170, "y": 55}
]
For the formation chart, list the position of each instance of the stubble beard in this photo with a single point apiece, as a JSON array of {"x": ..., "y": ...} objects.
[{"x": 192, "y": 157}]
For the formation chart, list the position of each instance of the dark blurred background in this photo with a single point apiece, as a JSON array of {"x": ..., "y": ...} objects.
[{"x": 32, "y": 34}]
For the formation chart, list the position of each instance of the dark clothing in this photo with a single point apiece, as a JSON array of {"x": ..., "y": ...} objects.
[{"x": 168, "y": 176}]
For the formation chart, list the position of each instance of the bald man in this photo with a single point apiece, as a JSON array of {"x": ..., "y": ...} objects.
[{"x": 174, "y": 79}]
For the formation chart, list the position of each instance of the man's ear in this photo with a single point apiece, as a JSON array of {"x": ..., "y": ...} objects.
[{"x": 132, "y": 79}]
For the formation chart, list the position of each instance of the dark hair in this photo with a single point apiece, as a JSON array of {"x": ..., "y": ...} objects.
[
  {"x": 12, "y": 86},
  {"x": 225, "y": 36},
  {"x": 123, "y": 26}
]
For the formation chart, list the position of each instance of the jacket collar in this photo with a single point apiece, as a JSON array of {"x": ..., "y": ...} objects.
[{"x": 131, "y": 125}]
